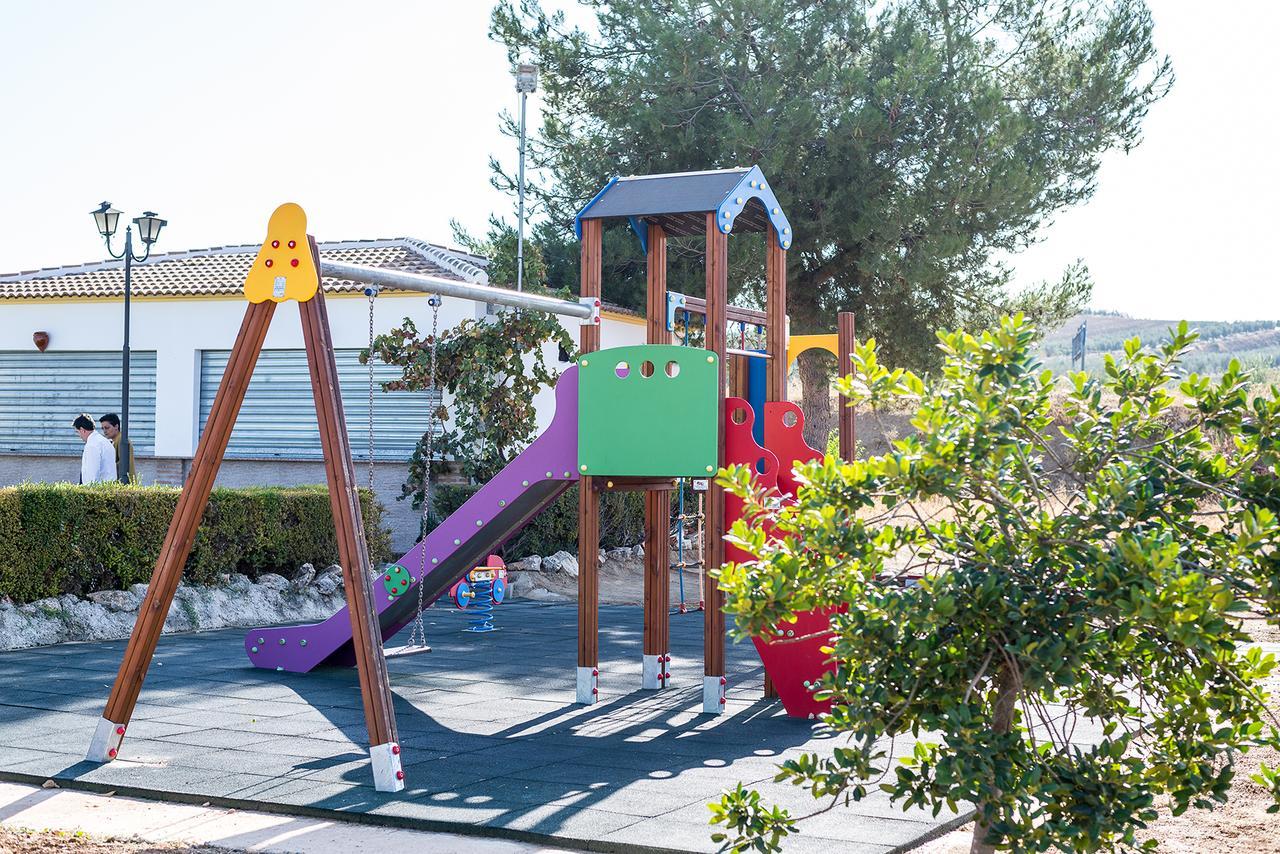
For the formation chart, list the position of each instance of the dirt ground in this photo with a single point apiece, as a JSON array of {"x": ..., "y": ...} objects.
[
  {"x": 1242, "y": 826},
  {"x": 48, "y": 842}
]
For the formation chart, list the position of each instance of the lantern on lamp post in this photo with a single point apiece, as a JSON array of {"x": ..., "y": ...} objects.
[{"x": 107, "y": 218}]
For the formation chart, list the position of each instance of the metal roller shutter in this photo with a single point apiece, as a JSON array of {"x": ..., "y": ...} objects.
[
  {"x": 42, "y": 393},
  {"x": 278, "y": 418}
]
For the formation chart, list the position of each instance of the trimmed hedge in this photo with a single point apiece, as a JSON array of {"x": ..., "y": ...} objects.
[
  {"x": 60, "y": 538},
  {"x": 556, "y": 528}
]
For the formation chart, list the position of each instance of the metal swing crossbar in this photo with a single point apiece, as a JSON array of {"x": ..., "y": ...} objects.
[{"x": 586, "y": 309}]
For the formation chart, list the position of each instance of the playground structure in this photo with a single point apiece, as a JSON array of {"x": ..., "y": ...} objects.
[{"x": 613, "y": 430}]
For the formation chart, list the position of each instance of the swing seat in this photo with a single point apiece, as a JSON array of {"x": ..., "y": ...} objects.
[{"x": 406, "y": 650}]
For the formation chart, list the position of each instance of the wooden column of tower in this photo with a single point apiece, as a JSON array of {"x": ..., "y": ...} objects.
[
  {"x": 269, "y": 282},
  {"x": 775, "y": 306},
  {"x": 846, "y": 420},
  {"x": 655, "y": 670},
  {"x": 717, "y": 297},
  {"x": 588, "y": 502}
]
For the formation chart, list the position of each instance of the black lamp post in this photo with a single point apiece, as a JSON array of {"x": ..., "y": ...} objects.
[{"x": 149, "y": 225}]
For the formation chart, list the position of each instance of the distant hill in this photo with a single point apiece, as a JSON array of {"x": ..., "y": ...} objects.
[{"x": 1256, "y": 343}]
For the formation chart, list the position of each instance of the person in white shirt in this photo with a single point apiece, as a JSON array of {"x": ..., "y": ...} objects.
[{"x": 98, "y": 462}]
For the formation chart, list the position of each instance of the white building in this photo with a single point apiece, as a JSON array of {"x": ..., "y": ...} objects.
[{"x": 186, "y": 310}]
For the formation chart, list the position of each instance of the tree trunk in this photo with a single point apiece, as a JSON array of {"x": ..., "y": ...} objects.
[
  {"x": 1008, "y": 686},
  {"x": 815, "y": 397}
]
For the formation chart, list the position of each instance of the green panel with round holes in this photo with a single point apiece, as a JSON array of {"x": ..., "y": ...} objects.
[
  {"x": 648, "y": 411},
  {"x": 396, "y": 579}
]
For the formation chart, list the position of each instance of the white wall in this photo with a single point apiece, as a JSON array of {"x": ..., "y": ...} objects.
[{"x": 179, "y": 329}]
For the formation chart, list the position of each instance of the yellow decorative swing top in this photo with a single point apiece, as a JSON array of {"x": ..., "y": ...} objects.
[{"x": 284, "y": 268}]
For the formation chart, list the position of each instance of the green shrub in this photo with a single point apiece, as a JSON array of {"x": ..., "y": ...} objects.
[
  {"x": 60, "y": 538},
  {"x": 556, "y": 528}
]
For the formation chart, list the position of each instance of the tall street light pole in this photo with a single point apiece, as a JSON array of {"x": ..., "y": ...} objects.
[
  {"x": 107, "y": 218},
  {"x": 526, "y": 82}
]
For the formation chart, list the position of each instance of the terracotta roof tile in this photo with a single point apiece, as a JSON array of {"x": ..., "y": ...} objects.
[{"x": 221, "y": 270}]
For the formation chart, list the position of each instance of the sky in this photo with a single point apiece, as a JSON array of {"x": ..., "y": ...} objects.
[{"x": 379, "y": 118}]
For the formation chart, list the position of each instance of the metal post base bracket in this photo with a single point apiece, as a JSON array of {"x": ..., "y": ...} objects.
[
  {"x": 588, "y": 686},
  {"x": 106, "y": 741},
  {"x": 713, "y": 695},
  {"x": 654, "y": 672},
  {"x": 388, "y": 775}
]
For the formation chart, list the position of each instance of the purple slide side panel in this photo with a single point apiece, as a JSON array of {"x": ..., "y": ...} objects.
[{"x": 486, "y": 519}]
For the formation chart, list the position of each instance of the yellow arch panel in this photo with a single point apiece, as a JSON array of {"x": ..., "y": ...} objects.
[{"x": 798, "y": 344}]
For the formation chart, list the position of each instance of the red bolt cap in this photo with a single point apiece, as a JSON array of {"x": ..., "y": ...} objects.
[
  {"x": 112, "y": 753},
  {"x": 119, "y": 730},
  {"x": 595, "y": 672},
  {"x": 387, "y": 578},
  {"x": 293, "y": 263},
  {"x": 722, "y": 701},
  {"x": 724, "y": 681},
  {"x": 399, "y": 775},
  {"x": 395, "y": 750},
  {"x": 595, "y": 691},
  {"x": 292, "y": 243},
  {"x": 275, "y": 244},
  {"x": 270, "y": 263},
  {"x": 597, "y": 302}
]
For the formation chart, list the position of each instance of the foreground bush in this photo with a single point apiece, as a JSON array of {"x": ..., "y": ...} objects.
[
  {"x": 1067, "y": 657},
  {"x": 556, "y": 528},
  {"x": 61, "y": 538}
]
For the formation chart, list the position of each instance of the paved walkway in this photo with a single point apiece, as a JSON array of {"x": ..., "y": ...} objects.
[
  {"x": 113, "y": 817},
  {"x": 493, "y": 743}
]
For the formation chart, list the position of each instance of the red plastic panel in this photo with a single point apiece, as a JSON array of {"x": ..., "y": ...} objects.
[
  {"x": 740, "y": 448},
  {"x": 787, "y": 442},
  {"x": 791, "y": 663}
]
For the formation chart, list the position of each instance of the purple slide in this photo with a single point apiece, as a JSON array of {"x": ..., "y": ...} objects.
[{"x": 535, "y": 478}]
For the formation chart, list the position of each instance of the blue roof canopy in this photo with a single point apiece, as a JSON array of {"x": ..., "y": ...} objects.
[{"x": 679, "y": 202}]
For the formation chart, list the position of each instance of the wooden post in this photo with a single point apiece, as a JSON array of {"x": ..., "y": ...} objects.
[
  {"x": 182, "y": 533},
  {"x": 775, "y": 276},
  {"x": 739, "y": 377},
  {"x": 588, "y": 502},
  {"x": 353, "y": 550},
  {"x": 717, "y": 296},
  {"x": 657, "y": 503},
  {"x": 846, "y": 421}
]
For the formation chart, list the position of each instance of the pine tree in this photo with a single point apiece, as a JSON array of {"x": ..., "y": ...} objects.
[{"x": 915, "y": 144}]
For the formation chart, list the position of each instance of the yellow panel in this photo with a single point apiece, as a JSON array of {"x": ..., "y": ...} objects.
[
  {"x": 284, "y": 268},
  {"x": 797, "y": 344}
]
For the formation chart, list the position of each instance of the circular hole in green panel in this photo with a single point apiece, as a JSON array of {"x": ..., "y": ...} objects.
[
  {"x": 622, "y": 369},
  {"x": 646, "y": 369},
  {"x": 673, "y": 369}
]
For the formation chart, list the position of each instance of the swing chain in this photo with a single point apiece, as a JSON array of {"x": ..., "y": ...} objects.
[{"x": 418, "y": 636}]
